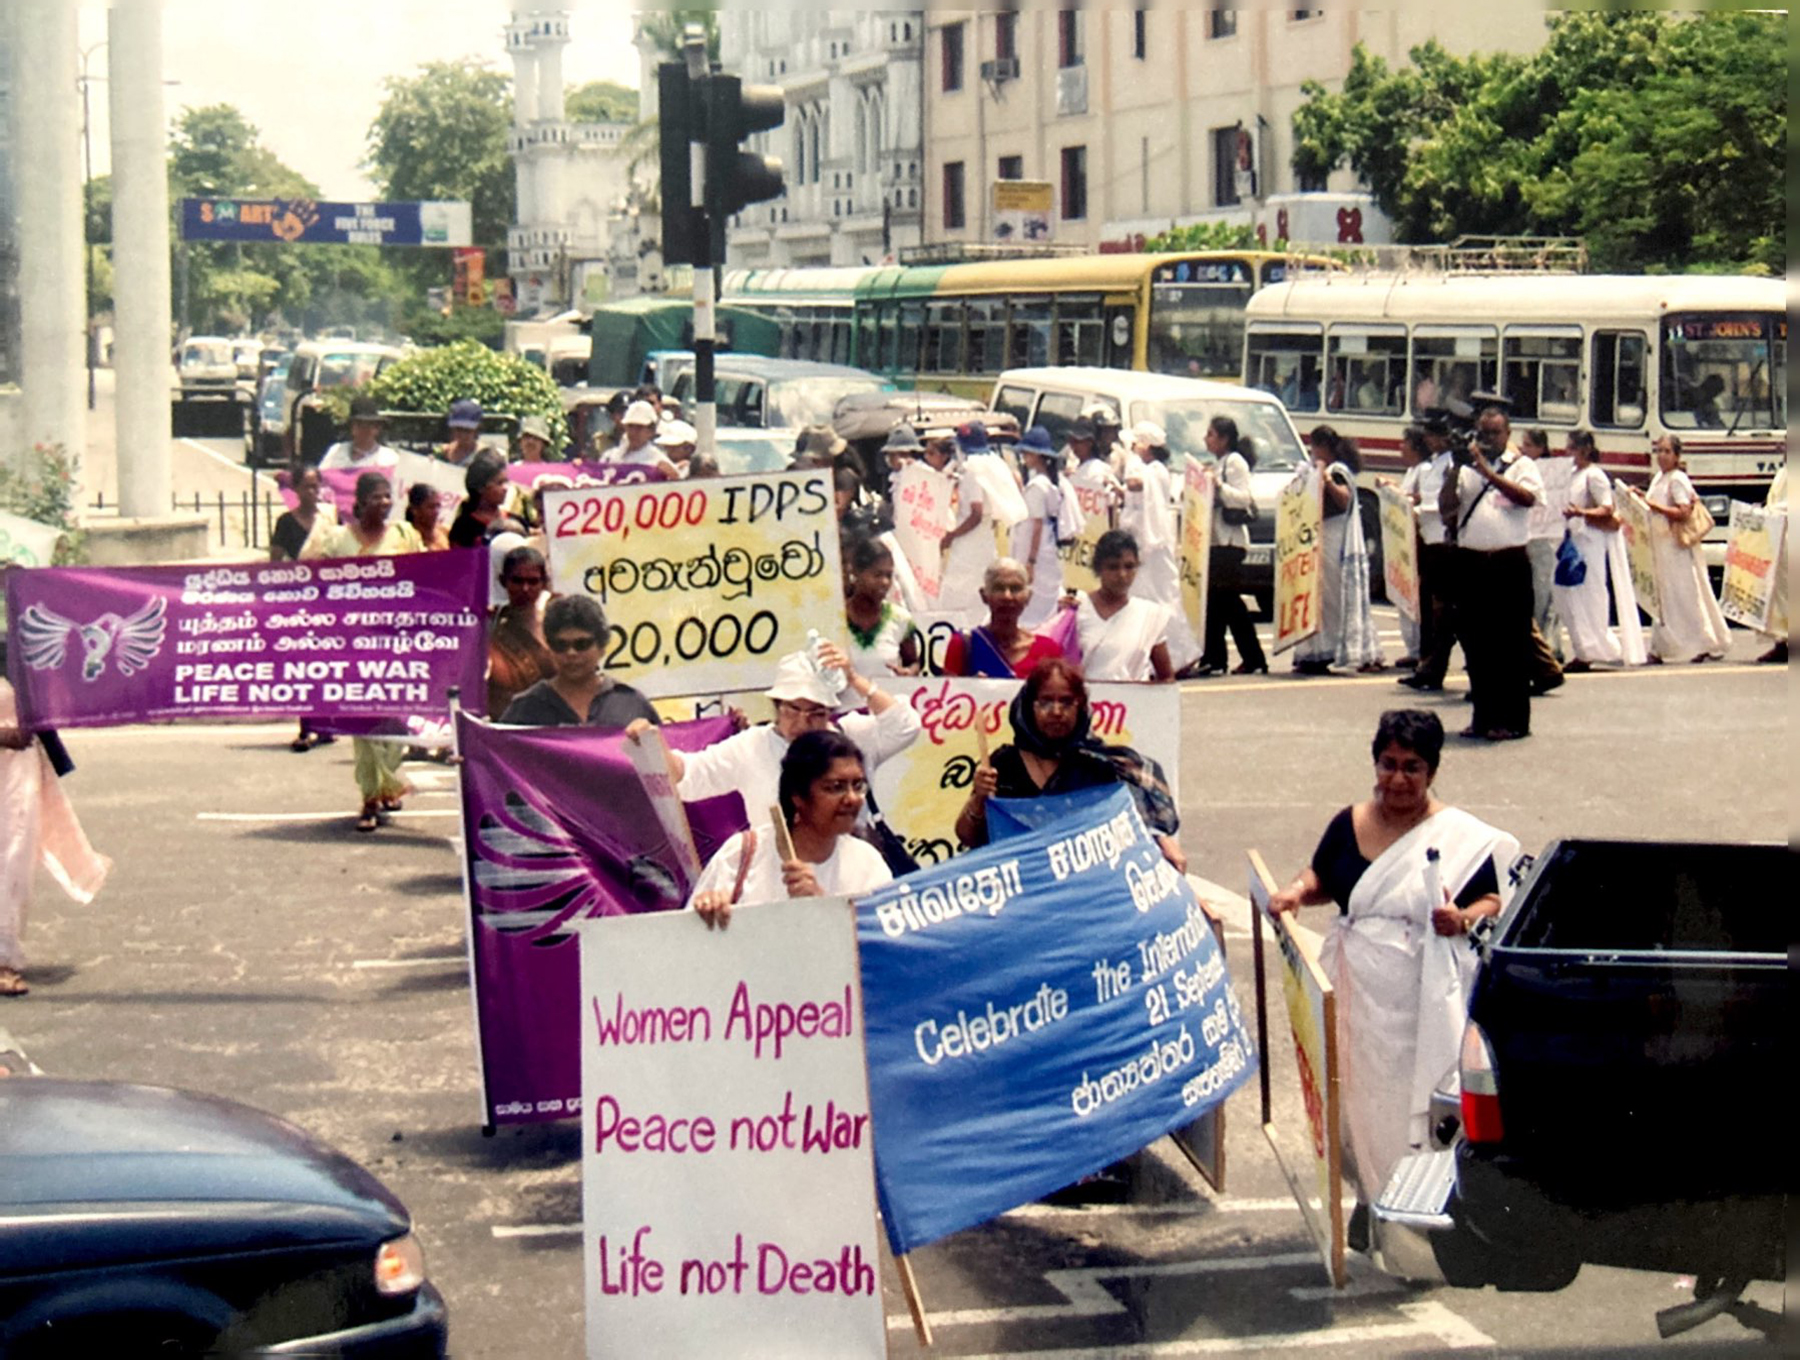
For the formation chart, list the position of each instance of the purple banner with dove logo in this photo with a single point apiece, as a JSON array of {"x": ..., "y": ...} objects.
[
  {"x": 358, "y": 637},
  {"x": 558, "y": 828}
]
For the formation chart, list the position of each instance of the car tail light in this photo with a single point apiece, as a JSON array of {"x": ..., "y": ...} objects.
[
  {"x": 400, "y": 1266},
  {"x": 1480, "y": 1089}
]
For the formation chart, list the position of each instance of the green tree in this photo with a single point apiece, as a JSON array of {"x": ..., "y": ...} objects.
[
  {"x": 431, "y": 379},
  {"x": 1208, "y": 236},
  {"x": 601, "y": 101},
  {"x": 1659, "y": 139}
]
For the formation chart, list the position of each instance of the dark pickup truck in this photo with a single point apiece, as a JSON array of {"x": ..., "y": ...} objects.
[{"x": 1618, "y": 1096}]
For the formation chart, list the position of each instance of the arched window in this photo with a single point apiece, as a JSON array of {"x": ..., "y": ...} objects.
[
  {"x": 860, "y": 159},
  {"x": 800, "y": 147}
]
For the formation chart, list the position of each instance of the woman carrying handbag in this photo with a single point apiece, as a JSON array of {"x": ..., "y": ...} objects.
[{"x": 1691, "y": 627}]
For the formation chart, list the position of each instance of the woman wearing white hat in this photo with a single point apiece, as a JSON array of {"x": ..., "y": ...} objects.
[{"x": 638, "y": 447}]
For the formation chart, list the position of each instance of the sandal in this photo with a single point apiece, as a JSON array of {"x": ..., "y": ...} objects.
[
  {"x": 301, "y": 744},
  {"x": 370, "y": 818},
  {"x": 11, "y": 983}
]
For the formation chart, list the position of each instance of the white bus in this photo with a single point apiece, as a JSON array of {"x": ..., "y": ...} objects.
[{"x": 1629, "y": 357}]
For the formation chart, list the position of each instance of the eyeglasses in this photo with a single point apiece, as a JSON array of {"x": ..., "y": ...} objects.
[
  {"x": 573, "y": 644},
  {"x": 837, "y": 788},
  {"x": 807, "y": 713}
]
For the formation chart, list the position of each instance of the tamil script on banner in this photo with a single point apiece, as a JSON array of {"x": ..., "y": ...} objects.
[
  {"x": 582, "y": 472},
  {"x": 558, "y": 828},
  {"x": 1299, "y": 553},
  {"x": 1634, "y": 517},
  {"x": 356, "y": 637},
  {"x": 1197, "y": 489},
  {"x": 728, "y": 1197},
  {"x": 311, "y": 221},
  {"x": 1035, "y": 1010},
  {"x": 1400, "y": 550},
  {"x": 1753, "y": 558},
  {"x": 705, "y": 583},
  {"x": 25, "y": 542},
  {"x": 923, "y": 497}
]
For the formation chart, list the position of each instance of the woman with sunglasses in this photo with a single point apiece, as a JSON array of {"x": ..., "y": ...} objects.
[
  {"x": 579, "y": 694},
  {"x": 1054, "y": 751},
  {"x": 823, "y": 788}
]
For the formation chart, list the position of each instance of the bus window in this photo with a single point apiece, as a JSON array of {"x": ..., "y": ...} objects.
[
  {"x": 1448, "y": 363},
  {"x": 888, "y": 350},
  {"x": 1543, "y": 376},
  {"x": 1056, "y": 412},
  {"x": 912, "y": 328},
  {"x": 1078, "y": 331},
  {"x": 867, "y": 353},
  {"x": 1366, "y": 369},
  {"x": 1287, "y": 363},
  {"x": 1724, "y": 372},
  {"x": 1617, "y": 368},
  {"x": 1121, "y": 329},
  {"x": 1029, "y": 333},
  {"x": 987, "y": 336},
  {"x": 840, "y": 337},
  {"x": 943, "y": 337}
]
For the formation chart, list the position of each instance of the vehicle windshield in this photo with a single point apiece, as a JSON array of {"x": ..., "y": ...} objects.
[
  {"x": 1197, "y": 318},
  {"x": 348, "y": 370},
  {"x": 810, "y": 401},
  {"x": 1724, "y": 371},
  {"x": 1263, "y": 422},
  {"x": 743, "y": 451},
  {"x": 197, "y": 353}
]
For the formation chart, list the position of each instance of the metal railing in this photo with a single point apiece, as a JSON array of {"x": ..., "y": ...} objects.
[{"x": 245, "y": 519}]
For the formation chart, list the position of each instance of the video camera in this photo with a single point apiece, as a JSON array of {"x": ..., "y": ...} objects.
[{"x": 1457, "y": 420}]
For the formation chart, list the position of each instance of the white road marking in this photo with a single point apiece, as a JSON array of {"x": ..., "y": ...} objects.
[
  {"x": 431, "y": 961},
  {"x": 217, "y": 457},
  {"x": 314, "y": 816}
]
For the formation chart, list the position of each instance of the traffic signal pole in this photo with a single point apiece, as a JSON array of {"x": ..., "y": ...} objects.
[{"x": 706, "y": 418}]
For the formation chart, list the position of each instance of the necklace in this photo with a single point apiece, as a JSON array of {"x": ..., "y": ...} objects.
[{"x": 865, "y": 638}]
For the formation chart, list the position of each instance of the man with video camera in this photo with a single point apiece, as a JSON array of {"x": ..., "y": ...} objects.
[{"x": 1486, "y": 507}]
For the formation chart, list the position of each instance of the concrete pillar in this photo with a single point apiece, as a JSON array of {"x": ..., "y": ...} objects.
[
  {"x": 52, "y": 288},
  {"x": 549, "y": 76},
  {"x": 140, "y": 255}
]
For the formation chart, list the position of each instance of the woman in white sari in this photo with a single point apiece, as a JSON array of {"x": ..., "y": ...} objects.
[
  {"x": 1346, "y": 635},
  {"x": 1411, "y": 876},
  {"x": 1123, "y": 636},
  {"x": 1593, "y": 528},
  {"x": 1690, "y": 627}
]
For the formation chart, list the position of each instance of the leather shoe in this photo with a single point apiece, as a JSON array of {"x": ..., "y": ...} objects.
[
  {"x": 1577, "y": 667},
  {"x": 1544, "y": 684},
  {"x": 1418, "y": 682},
  {"x": 1245, "y": 668}
]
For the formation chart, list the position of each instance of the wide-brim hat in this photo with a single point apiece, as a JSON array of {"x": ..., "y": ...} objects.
[
  {"x": 1037, "y": 440},
  {"x": 1150, "y": 433},
  {"x": 366, "y": 409},
  {"x": 797, "y": 676},
  {"x": 639, "y": 413},
  {"x": 903, "y": 439},
  {"x": 819, "y": 441},
  {"x": 972, "y": 437},
  {"x": 535, "y": 426},
  {"x": 675, "y": 433}
]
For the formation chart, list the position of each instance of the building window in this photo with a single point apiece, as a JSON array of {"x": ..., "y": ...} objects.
[
  {"x": 1006, "y": 35},
  {"x": 1010, "y": 167},
  {"x": 955, "y": 215},
  {"x": 1074, "y": 182},
  {"x": 1068, "y": 37},
  {"x": 952, "y": 35},
  {"x": 1225, "y": 166},
  {"x": 1140, "y": 42},
  {"x": 1301, "y": 15},
  {"x": 1221, "y": 23}
]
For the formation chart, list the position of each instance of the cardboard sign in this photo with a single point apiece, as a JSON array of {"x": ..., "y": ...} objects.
[
  {"x": 1299, "y": 555},
  {"x": 1037, "y": 1009},
  {"x": 1318, "y": 1183},
  {"x": 704, "y": 583},
  {"x": 728, "y": 1202},
  {"x": 1198, "y": 489},
  {"x": 1634, "y": 517},
  {"x": 1753, "y": 561},
  {"x": 1546, "y": 518},
  {"x": 923, "y": 497},
  {"x": 1077, "y": 556},
  {"x": 1400, "y": 550}
]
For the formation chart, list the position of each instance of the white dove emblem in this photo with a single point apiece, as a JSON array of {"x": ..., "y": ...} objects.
[{"x": 131, "y": 642}]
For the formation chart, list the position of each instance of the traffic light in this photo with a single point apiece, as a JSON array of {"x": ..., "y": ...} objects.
[
  {"x": 681, "y": 116},
  {"x": 736, "y": 178}
]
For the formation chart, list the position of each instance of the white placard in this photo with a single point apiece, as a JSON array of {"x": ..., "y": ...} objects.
[{"x": 728, "y": 1184}]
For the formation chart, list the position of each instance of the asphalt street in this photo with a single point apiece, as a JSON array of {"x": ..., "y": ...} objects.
[{"x": 251, "y": 944}]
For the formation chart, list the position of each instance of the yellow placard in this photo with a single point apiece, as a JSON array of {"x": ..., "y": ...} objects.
[
  {"x": 1299, "y": 550},
  {"x": 1753, "y": 564},
  {"x": 706, "y": 584},
  {"x": 1197, "y": 492},
  {"x": 1400, "y": 550},
  {"x": 1077, "y": 556},
  {"x": 1634, "y": 524}
]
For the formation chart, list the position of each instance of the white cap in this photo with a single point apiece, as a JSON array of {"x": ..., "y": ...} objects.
[
  {"x": 1149, "y": 433},
  {"x": 798, "y": 676},
  {"x": 1100, "y": 412},
  {"x": 676, "y": 432},
  {"x": 639, "y": 413}
]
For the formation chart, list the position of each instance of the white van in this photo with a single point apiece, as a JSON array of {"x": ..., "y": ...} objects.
[{"x": 1055, "y": 398}]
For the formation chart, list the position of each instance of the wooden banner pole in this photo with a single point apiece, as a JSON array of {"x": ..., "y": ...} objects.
[
  {"x": 914, "y": 1304},
  {"x": 1260, "y": 877},
  {"x": 784, "y": 840},
  {"x": 981, "y": 742}
]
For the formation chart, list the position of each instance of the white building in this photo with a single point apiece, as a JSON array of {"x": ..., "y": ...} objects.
[
  {"x": 571, "y": 176},
  {"x": 852, "y": 144},
  {"x": 1145, "y": 117}
]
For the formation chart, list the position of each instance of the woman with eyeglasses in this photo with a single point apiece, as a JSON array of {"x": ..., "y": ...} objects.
[
  {"x": 518, "y": 656},
  {"x": 1411, "y": 876},
  {"x": 579, "y": 694},
  {"x": 1053, "y": 750},
  {"x": 822, "y": 789}
]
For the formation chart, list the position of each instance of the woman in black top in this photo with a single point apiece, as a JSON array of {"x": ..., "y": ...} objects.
[
  {"x": 578, "y": 694},
  {"x": 480, "y": 516},
  {"x": 1052, "y": 751},
  {"x": 292, "y": 528}
]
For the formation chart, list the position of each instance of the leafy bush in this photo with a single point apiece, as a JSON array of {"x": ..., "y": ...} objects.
[
  {"x": 503, "y": 383},
  {"x": 41, "y": 487}
]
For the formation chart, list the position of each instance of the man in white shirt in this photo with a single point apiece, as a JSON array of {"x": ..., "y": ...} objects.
[
  {"x": 1489, "y": 501},
  {"x": 363, "y": 451},
  {"x": 638, "y": 447},
  {"x": 1437, "y": 563}
]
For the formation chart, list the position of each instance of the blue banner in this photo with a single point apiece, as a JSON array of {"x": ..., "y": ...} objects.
[
  {"x": 1034, "y": 1011},
  {"x": 311, "y": 222}
]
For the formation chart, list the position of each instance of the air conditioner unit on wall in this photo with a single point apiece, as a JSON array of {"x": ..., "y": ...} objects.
[{"x": 1000, "y": 69}]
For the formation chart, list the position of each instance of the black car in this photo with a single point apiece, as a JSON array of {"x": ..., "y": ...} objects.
[{"x": 138, "y": 1220}]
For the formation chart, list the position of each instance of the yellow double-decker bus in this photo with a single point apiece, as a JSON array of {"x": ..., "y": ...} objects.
[{"x": 954, "y": 326}]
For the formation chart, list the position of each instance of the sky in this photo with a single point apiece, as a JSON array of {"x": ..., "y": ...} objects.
[{"x": 309, "y": 75}]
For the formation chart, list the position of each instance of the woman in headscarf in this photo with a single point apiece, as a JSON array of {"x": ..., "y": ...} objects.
[
  {"x": 1053, "y": 750},
  {"x": 1346, "y": 635}
]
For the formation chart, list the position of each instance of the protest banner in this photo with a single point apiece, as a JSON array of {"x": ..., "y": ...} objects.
[
  {"x": 1077, "y": 556},
  {"x": 25, "y": 542},
  {"x": 357, "y": 637},
  {"x": 557, "y": 828},
  {"x": 1634, "y": 516},
  {"x": 1312, "y": 1021},
  {"x": 1546, "y": 517},
  {"x": 1400, "y": 550},
  {"x": 1198, "y": 487},
  {"x": 1035, "y": 1010},
  {"x": 583, "y": 472},
  {"x": 1752, "y": 559},
  {"x": 1299, "y": 552},
  {"x": 922, "y": 501},
  {"x": 728, "y": 1202},
  {"x": 705, "y": 583}
]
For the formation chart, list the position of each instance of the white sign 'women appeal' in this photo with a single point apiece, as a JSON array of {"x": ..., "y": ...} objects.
[{"x": 728, "y": 1183}]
